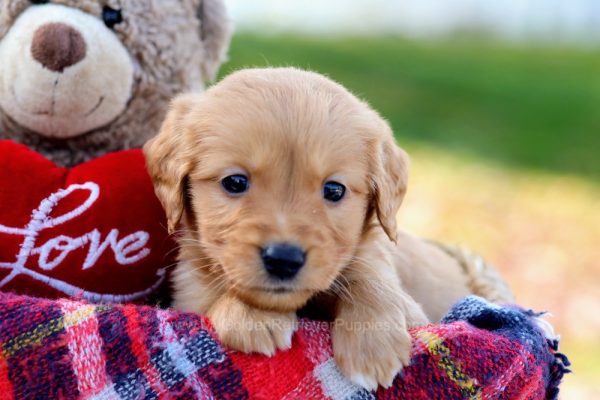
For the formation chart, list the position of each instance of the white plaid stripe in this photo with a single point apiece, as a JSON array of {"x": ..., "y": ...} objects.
[
  {"x": 85, "y": 347},
  {"x": 177, "y": 353},
  {"x": 335, "y": 385}
]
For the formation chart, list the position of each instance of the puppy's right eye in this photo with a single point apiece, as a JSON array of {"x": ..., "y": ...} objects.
[
  {"x": 333, "y": 191},
  {"x": 235, "y": 184}
]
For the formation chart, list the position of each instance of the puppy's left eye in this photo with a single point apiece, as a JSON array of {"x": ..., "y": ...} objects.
[
  {"x": 333, "y": 191},
  {"x": 235, "y": 184}
]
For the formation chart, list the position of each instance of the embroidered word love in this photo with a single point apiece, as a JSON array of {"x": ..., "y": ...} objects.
[{"x": 127, "y": 250}]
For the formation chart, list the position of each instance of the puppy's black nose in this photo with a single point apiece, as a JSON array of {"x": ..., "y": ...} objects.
[{"x": 283, "y": 260}]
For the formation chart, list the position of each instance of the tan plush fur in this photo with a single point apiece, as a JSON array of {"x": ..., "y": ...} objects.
[
  {"x": 161, "y": 48},
  {"x": 290, "y": 131}
]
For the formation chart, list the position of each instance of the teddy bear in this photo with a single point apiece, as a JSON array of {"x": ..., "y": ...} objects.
[
  {"x": 83, "y": 85},
  {"x": 82, "y": 78}
]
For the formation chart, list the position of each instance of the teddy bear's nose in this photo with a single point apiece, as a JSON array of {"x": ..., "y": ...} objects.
[{"x": 57, "y": 46}]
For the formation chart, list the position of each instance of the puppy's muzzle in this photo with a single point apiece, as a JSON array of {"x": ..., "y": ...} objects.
[{"x": 283, "y": 260}]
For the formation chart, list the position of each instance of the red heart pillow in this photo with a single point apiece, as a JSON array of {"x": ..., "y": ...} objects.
[{"x": 95, "y": 231}]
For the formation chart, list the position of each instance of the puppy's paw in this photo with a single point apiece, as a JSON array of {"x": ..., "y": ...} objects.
[
  {"x": 371, "y": 354},
  {"x": 251, "y": 330},
  {"x": 415, "y": 317}
]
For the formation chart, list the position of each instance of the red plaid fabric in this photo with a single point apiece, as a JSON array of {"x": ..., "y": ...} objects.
[{"x": 74, "y": 350}]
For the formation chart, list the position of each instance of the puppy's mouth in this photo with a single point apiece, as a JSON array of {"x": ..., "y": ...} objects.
[
  {"x": 274, "y": 290},
  {"x": 279, "y": 290}
]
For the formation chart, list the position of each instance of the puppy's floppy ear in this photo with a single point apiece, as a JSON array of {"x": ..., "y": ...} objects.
[
  {"x": 169, "y": 158},
  {"x": 389, "y": 178},
  {"x": 215, "y": 32}
]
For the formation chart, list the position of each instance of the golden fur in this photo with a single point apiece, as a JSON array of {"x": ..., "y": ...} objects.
[{"x": 290, "y": 131}]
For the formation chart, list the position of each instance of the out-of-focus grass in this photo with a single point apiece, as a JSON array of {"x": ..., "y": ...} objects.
[
  {"x": 535, "y": 107},
  {"x": 505, "y": 143}
]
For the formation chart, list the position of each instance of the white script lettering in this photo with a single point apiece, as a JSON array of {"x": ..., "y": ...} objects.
[{"x": 127, "y": 250}]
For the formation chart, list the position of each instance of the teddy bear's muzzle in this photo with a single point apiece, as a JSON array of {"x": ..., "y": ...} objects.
[{"x": 63, "y": 73}]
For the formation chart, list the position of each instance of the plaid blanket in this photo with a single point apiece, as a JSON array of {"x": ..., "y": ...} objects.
[{"x": 69, "y": 349}]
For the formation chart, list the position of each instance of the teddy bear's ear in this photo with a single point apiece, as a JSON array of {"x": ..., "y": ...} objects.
[{"x": 215, "y": 32}]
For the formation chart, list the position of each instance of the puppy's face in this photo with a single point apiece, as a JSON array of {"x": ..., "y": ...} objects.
[{"x": 280, "y": 171}]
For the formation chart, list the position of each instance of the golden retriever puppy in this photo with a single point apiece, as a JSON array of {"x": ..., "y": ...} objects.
[{"x": 286, "y": 188}]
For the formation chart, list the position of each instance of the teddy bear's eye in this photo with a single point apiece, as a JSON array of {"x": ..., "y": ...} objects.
[
  {"x": 111, "y": 17},
  {"x": 40, "y": 1}
]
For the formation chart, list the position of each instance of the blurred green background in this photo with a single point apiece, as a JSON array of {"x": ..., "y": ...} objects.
[
  {"x": 505, "y": 142},
  {"x": 523, "y": 106}
]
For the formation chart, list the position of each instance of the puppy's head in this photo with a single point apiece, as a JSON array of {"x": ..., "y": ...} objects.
[{"x": 277, "y": 174}]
